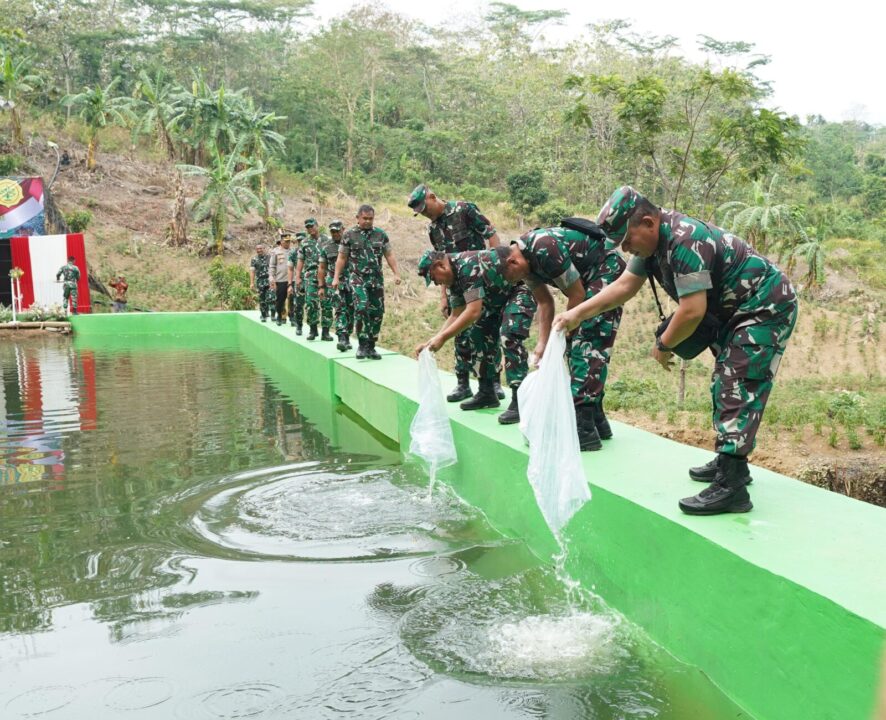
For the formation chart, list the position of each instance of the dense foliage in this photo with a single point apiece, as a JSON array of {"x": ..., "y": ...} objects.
[{"x": 374, "y": 102}]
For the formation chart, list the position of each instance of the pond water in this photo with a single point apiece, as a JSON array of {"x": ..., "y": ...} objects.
[{"x": 178, "y": 539}]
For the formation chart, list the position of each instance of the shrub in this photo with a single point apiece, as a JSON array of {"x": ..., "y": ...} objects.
[
  {"x": 230, "y": 286},
  {"x": 78, "y": 220}
]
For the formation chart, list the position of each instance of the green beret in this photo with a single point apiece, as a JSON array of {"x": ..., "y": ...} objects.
[
  {"x": 417, "y": 199},
  {"x": 614, "y": 216}
]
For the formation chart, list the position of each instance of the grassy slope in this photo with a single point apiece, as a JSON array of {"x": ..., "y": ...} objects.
[{"x": 828, "y": 406}]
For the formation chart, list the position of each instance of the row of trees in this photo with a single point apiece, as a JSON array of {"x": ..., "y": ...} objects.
[{"x": 486, "y": 110}]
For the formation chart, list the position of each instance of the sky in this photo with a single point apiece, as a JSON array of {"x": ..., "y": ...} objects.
[{"x": 829, "y": 61}]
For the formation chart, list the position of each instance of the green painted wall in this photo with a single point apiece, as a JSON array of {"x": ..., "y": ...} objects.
[{"x": 784, "y": 608}]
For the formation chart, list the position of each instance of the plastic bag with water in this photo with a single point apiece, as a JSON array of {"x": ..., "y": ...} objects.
[
  {"x": 430, "y": 430},
  {"x": 547, "y": 420}
]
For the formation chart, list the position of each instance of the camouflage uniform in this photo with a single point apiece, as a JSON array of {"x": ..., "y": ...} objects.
[
  {"x": 266, "y": 296},
  {"x": 342, "y": 302},
  {"x": 751, "y": 297},
  {"x": 71, "y": 274},
  {"x": 461, "y": 227},
  {"x": 559, "y": 256},
  {"x": 479, "y": 275},
  {"x": 297, "y": 300},
  {"x": 364, "y": 250},
  {"x": 309, "y": 252},
  {"x": 515, "y": 324}
]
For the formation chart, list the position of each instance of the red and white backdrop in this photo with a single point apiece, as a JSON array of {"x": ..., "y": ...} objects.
[{"x": 41, "y": 257}]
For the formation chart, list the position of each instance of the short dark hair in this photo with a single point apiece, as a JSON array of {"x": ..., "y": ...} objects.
[
  {"x": 643, "y": 208},
  {"x": 365, "y": 209}
]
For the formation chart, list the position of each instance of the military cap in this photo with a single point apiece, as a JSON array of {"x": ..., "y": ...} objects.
[
  {"x": 614, "y": 216},
  {"x": 428, "y": 258},
  {"x": 300, "y": 235},
  {"x": 417, "y": 199},
  {"x": 310, "y": 222},
  {"x": 336, "y": 225}
]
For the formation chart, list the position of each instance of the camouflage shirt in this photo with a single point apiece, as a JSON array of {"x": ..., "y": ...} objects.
[
  {"x": 259, "y": 263},
  {"x": 70, "y": 273},
  {"x": 479, "y": 275},
  {"x": 692, "y": 256},
  {"x": 559, "y": 256},
  {"x": 309, "y": 252},
  {"x": 365, "y": 250},
  {"x": 460, "y": 228},
  {"x": 328, "y": 252}
]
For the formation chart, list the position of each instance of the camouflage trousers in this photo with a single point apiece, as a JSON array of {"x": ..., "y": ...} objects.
[
  {"x": 464, "y": 353},
  {"x": 267, "y": 297},
  {"x": 297, "y": 304},
  {"x": 589, "y": 349},
  {"x": 515, "y": 324},
  {"x": 369, "y": 309},
  {"x": 319, "y": 310},
  {"x": 747, "y": 361},
  {"x": 69, "y": 291},
  {"x": 485, "y": 339},
  {"x": 343, "y": 302}
]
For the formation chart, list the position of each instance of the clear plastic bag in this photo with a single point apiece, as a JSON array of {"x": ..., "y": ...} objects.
[
  {"x": 547, "y": 420},
  {"x": 430, "y": 430}
]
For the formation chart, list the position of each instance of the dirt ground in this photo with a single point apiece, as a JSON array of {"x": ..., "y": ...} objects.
[{"x": 131, "y": 199}]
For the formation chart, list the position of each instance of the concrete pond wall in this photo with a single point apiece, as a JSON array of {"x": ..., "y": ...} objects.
[{"x": 784, "y": 608}]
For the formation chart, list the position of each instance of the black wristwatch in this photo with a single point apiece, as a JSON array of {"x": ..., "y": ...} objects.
[{"x": 660, "y": 345}]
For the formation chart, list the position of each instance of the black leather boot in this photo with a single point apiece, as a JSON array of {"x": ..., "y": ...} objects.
[
  {"x": 313, "y": 334},
  {"x": 342, "y": 345},
  {"x": 600, "y": 421},
  {"x": 326, "y": 336},
  {"x": 297, "y": 329},
  {"x": 462, "y": 391},
  {"x": 588, "y": 437},
  {"x": 512, "y": 414},
  {"x": 499, "y": 393},
  {"x": 707, "y": 472},
  {"x": 362, "y": 350},
  {"x": 371, "y": 352},
  {"x": 485, "y": 397},
  {"x": 727, "y": 494}
]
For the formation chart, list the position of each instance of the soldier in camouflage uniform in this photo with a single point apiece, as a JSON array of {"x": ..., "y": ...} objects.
[
  {"x": 260, "y": 281},
  {"x": 478, "y": 294},
  {"x": 458, "y": 226},
  {"x": 581, "y": 265},
  {"x": 360, "y": 255},
  {"x": 296, "y": 288},
  {"x": 307, "y": 273},
  {"x": 342, "y": 300},
  {"x": 71, "y": 274},
  {"x": 706, "y": 269}
]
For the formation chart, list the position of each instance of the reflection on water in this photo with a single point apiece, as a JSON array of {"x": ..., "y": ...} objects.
[{"x": 178, "y": 539}]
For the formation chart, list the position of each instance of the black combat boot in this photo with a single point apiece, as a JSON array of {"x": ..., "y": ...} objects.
[
  {"x": 485, "y": 397},
  {"x": 362, "y": 350},
  {"x": 462, "y": 391},
  {"x": 298, "y": 329},
  {"x": 512, "y": 414},
  {"x": 342, "y": 345},
  {"x": 264, "y": 318},
  {"x": 588, "y": 437},
  {"x": 499, "y": 393},
  {"x": 707, "y": 472},
  {"x": 371, "y": 352},
  {"x": 326, "y": 336},
  {"x": 600, "y": 421},
  {"x": 313, "y": 334},
  {"x": 727, "y": 494}
]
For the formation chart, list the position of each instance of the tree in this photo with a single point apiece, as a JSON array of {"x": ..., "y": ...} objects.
[
  {"x": 256, "y": 130},
  {"x": 16, "y": 83},
  {"x": 154, "y": 99},
  {"x": 99, "y": 108},
  {"x": 763, "y": 220},
  {"x": 526, "y": 190},
  {"x": 812, "y": 251},
  {"x": 227, "y": 190}
]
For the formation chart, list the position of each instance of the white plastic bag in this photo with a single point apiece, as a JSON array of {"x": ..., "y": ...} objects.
[
  {"x": 430, "y": 430},
  {"x": 547, "y": 420}
]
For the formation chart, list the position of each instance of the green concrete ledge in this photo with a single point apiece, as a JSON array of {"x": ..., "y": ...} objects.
[{"x": 784, "y": 608}]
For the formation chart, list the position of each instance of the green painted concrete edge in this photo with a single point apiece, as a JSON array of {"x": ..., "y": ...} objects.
[{"x": 784, "y": 608}]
